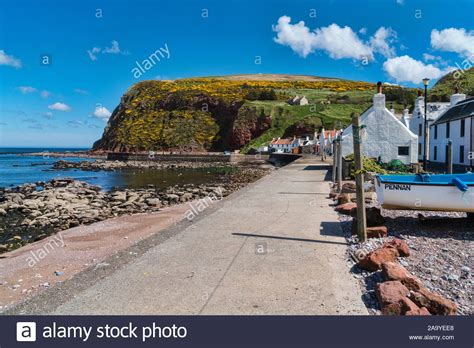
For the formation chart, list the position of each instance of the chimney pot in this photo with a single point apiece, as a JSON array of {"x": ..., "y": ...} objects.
[
  {"x": 419, "y": 93},
  {"x": 379, "y": 87}
]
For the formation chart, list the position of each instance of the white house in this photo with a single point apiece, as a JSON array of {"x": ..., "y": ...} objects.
[
  {"x": 384, "y": 135},
  {"x": 284, "y": 145},
  {"x": 455, "y": 124},
  {"x": 417, "y": 120},
  {"x": 298, "y": 100}
]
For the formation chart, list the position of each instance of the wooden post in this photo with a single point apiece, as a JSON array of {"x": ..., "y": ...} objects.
[
  {"x": 339, "y": 163},
  {"x": 359, "y": 178},
  {"x": 449, "y": 153},
  {"x": 334, "y": 154}
]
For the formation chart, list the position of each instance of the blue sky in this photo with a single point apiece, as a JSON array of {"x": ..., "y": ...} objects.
[{"x": 67, "y": 102}]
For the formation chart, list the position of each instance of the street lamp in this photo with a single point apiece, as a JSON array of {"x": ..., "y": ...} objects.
[{"x": 426, "y": 81}]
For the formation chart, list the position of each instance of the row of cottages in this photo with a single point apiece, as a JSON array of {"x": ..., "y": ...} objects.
[
  {"x": 384, "y": 136},
  {"x": 455, "y": 125},
  {"x": 287, "y": 145}
]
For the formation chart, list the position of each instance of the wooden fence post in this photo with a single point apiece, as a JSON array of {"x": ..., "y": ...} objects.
[
  {"x": 359, "y": 179},
  {"x": 339, "y": 163},
  {"x": 334, "y": 156},
  {"x": 449, "y": 153}
]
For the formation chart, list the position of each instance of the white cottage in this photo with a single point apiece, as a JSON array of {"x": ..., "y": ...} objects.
[
  {"x": 455, "y": 125},
  {"x": 384, "y": 135},
  {"x": 417, "y": 120}
]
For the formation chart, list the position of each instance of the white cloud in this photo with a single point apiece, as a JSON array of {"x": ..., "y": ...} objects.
[
  {"x": 5, "y": 59},
  {"x": 45, "y": 94},
  {"x": 401, "y": 2},
  {"x": 92, "y": 53},
  {"x": 407, "y": 69},
  {"x": 453, "y": 40},
  {"x": 338, "y": 42},
  {"x": 297, "y": 36},
  {"x": 102, "y": 113},
  {"x": 59, "y": 106},
  {"x": 27, "y": 89},
  {"x": 363, "y": 31},
  {"x": 113, "y": 49},
  {"x": 381, "y": 41}
]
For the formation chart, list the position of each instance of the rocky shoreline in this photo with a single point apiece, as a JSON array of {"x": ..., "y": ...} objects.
[
  {"x": 31, "y": 212},
  {"x": 440, "y": 258}
]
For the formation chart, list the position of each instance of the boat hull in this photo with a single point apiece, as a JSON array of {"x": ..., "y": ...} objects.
[{"x": 413, "y": 196}]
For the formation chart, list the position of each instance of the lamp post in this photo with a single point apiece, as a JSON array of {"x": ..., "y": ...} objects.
[{"x": 426, "y": 81}]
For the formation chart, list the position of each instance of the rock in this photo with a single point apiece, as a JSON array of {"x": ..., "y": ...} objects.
[
  {"x": 154, "y": 202},
  {"x": 374, "y": 260},
  {"x": 400, "y": 245},
  {"x": 348, "y": 187},
  {"x": 434, "y": 303},
  {"x": 408, "y": 305},
  {"x": 119, "y": 196},
  {"x": 172, "y": 197},
  {"x": 465, "y": 271},
  {"x": 3, "y": 212},
  {"x": 393, "y": 271},
  {"x": 420, "y": 311},
  {"x": 390, "y": 295},
  {"x": 346, "y": 209},
  {"x": 344, "y": 198}
]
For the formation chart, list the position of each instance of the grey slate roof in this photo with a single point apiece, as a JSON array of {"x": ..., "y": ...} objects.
[{"x": 462, "y": 109}]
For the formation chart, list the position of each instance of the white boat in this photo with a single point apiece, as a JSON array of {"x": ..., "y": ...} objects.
[{"x": 442, "y": 192}]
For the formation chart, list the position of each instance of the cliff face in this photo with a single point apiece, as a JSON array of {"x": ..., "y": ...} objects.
[{"x": 223, "y": 114}]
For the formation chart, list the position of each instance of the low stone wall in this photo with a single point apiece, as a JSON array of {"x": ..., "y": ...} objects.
[
  {"x": 209, "y": 157},
  {"x": 122, "y": 156}
]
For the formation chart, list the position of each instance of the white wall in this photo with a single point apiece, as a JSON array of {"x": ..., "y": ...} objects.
[
  {"x": 455, "y": 137},
  {"x": 384, "y": 133}
]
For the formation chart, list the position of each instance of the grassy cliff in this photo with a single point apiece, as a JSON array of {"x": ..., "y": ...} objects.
[
  {"x": 234, "y": 112},
  {"x": 463, "y": 80}
]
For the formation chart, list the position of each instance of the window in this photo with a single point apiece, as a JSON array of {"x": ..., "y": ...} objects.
[
  {"x": 403, "y": 151},
  {"x": 420, "y": 130},
  {"x": 461, "y": 154},
  {"x": 419, "y": 149},
  {"x": 448, "y": 128},
  {"x": 463, "y": 127},
  {"x": 435, "y": 153},
  {"x": 436, "y": 132}
]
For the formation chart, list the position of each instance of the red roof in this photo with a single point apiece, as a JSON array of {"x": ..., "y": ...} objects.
[
  {"x": 331, "y": 133},
  {"x": 287, "y": 141}
]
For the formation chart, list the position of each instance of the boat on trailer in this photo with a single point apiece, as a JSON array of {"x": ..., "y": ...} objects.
[{"x": 442, "y": 192}]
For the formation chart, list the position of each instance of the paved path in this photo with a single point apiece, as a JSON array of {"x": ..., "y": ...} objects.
[{"x": 274, "y": 247}]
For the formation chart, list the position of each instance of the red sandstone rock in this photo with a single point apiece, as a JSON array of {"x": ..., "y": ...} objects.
[
  {"x": 400, "y": 245},
  {"x": 421, "y": 311},
  {"x": 374, "y": 260},
  {"x": 391, "y": 297},
  {"x": 434, "y": 303},
  {"x": 346, "y": 208},
  {"x": 394, "y": 271}
]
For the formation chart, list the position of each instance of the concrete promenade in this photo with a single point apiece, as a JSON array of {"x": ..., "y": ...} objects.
[{"x": 274, "y": 247}]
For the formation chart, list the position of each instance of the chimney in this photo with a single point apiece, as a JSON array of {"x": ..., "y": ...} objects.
[
  {"x": 456, "y": 97},
  {"x": 379, "y": 87},
  {"x": 379, "y": 98}
]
